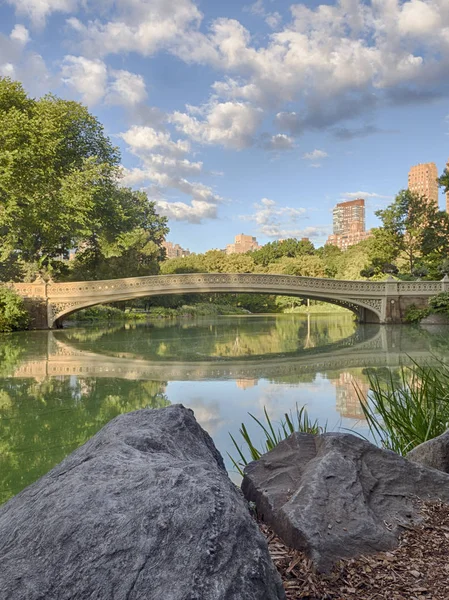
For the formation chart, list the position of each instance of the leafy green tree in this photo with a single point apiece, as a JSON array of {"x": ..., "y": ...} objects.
[
  {"x": 13, "y": 314},
  {"x": 414, "y": 229},
  {"x": 286, "y": 248},
  {"x": 59, "y": 189}
]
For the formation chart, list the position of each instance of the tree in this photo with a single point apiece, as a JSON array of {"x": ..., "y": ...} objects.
[
  {"x": 274, "y": 250},
  {"x": 414, "y": 228},
  {"x": 59, "y": 186}
]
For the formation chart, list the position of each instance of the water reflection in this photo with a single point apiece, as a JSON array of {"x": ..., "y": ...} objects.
[{"x": 58, "y": 388}]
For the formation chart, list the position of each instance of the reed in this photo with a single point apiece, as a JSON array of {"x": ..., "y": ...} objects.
[
  {"x": 404, "y": 413},
  {"x": 272, "y": 434}
]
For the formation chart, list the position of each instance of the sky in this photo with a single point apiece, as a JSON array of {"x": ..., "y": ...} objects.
[{"x": 252, "y": 118}]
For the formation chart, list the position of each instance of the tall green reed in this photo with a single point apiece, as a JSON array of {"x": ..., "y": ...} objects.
[
  {"x": 403, "y": 413},
  {"x": 298, "y": 420}
]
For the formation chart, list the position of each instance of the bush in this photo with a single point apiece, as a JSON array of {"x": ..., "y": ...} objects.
[
  {"x": 440, "y": 303},
  {"x": 13, "y": 314},
  {"x": 413, "y": 314}
]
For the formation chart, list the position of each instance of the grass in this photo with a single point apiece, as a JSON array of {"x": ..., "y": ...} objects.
[
  {"x": 406, "y": 411},
  {"x": 293, "y": 421}
]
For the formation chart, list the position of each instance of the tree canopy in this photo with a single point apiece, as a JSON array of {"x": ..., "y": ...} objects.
[{"x": 60, "y": 192}]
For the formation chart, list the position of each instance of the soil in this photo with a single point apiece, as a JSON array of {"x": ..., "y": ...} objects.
[{"x": 418, "y": 569}]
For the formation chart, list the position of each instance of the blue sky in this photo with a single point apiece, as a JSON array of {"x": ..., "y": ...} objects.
[{"x": 250, "y": 117}]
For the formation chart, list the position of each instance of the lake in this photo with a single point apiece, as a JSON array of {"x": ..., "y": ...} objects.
[{"x": 58, "y": 388}]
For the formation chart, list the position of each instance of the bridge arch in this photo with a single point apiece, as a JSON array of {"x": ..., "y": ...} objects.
[{"x": 361, "y": 297}]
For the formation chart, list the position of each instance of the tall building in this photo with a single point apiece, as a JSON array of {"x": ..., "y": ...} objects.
[
  {"x": 348, "y": 224},
  {"x": 422, "y": 180},
  {"x": 242, "y": 243},
  {"x": 174, "y": 250},
  {"x": 447, "y": 193}
]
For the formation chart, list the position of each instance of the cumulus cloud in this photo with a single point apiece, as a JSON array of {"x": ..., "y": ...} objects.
[
  {"x": 229, "y": 124},
  {"x": 143, "y": 26},
  {"x": 38, "y": 10},
  {"x": 20, "y": 34},
  {"x": 126, "y": 88},
  {"x": 315, "y": 155},
  {"x": 276, "y": 221},
  {"x": 141, "y": 139},
  {"x": 86, "y": 76},
  {"x": 278, "y": 142},
  {"x": 164, "y": 169},
  {"x": 17, "y": 62},
  {"x": 96, "y": 82}
]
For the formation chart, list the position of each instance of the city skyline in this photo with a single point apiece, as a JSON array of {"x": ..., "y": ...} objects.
[{"x": 255, "y": 116}]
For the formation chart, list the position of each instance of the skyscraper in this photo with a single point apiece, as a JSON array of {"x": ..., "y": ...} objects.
[
  {"x": 242, "y": 243},
  {"x": 422, "y": 180},
  {"x": 348, "y": 224},
  {"x": 447, "y": 193}
]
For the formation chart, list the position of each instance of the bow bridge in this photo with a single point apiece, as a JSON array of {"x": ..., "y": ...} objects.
[{"x": 372, "y": 301}]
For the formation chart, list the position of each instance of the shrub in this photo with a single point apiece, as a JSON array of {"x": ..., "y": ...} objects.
[
  {"x": 13, "y": 314},
  {"x": 413, "y": 314},
  {"x": 440, "y": 303}
]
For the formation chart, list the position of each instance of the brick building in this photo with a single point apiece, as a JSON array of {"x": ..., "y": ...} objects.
[
  {"x": 242, "y": 243},
  {"x": 422, "y": 180},
  {"x": 174, "y": 250},
  {"x": 348, "y": 224}
]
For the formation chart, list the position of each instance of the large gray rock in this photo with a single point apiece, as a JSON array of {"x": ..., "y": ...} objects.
[
  {"x": 337, "y": 496},
  {"x": 433, "y": 454},
  {"x": 144, "y": 510}
]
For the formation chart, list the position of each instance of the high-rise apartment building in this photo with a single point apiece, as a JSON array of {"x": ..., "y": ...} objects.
[
  {"x": 242, "y": 243},
  {"x": 174, "y": 250},
  {"x": 348, "y": 224},
  {"x": 422, "y": 180},
  {"x": 447, "y": 193}
]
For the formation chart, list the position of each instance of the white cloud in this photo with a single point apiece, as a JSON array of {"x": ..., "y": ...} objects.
[
  {"x": 87, "y": 76},
  {"x": 363, "y": 195},
  {"x": 315, "y": 155},
  {"x": 278, "y": 142},
  {"x": 38, "y": 10},
  {"x": 143, "y": 139},
  {"x": 163, "y": 170},
  {"x": 275, "y": 221},
  {"x": 229, "y": 124},
  {"x": 95, "y": 82},
  {"x": 20, "y": 34},
  {"x": 272, "y": 19},
  {"x": 126, "y": 88},
  {"x": 143, "y": 26}
]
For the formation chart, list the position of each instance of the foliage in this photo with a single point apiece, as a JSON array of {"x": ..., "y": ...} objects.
[
  {"x": 59, "y": 191},
  {"x": 440, "y": 303},
  {"x": 290, "y": 248},
  {"x": 403, "y": 414},
  {"x": 104, "y": 313},
  {"x": 298, "y": 421},
  {"x": 414, "y": 230},
  {"x": 413, "y": 314},
  {"x": 13, "y": 314}
]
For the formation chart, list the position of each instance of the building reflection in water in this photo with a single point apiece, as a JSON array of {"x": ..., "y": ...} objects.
[{"x": 348, "y": 387}]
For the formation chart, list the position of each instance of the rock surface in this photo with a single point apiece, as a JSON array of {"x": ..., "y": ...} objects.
[
  {"x": 337, "y": 496},
  {"x": 144, "y": 510},
  {"x": 433, "y": 454}
]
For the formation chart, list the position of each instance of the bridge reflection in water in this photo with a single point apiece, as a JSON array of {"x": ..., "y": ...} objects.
[
  {"x": 58, "y": 388},
  {"x": 371, "y": 346}
]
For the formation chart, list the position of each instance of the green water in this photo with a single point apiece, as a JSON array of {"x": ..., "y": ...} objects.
[{"x": 58, "y": 388}]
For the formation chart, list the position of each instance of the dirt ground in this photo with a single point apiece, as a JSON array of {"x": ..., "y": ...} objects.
[{"x": 418, "y": 569}]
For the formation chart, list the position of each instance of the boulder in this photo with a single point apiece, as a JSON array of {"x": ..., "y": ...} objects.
[
  {"x": 433, "y": 453},
  {"x": 337, "y": 496},
  {"x": 144, "y": 510}
]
